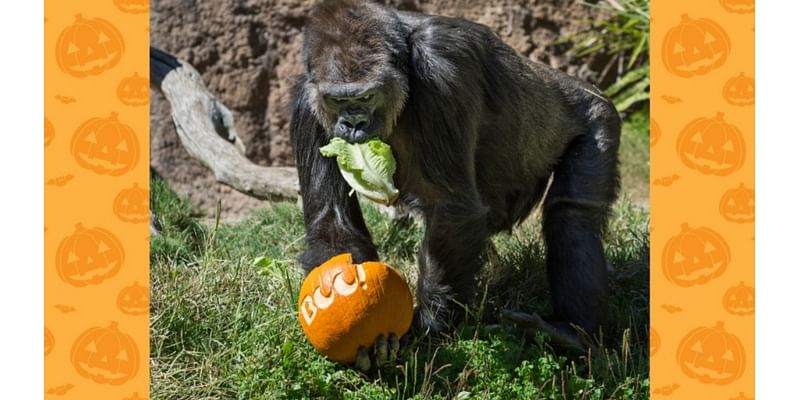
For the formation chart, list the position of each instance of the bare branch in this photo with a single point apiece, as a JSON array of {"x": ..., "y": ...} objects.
[{"x": 206, "y": 129}]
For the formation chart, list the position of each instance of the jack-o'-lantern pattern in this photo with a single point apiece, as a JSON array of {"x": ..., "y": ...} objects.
[
  {"x": 711, "y": 146},
  {"x": 695, "y": 256},
  {"x": 89, "y": 47},
  {"x": 740, "y": 90},
  {"x": 739, "y": 6},
  {"x": 49, "y": 341},
  {"x": 134, "y": 90},
  {"x": 89, "y": 256},
  {"x": 344, "y": 306},
  {"x": 712, "y": 355},
  {"x": 105, "y": 355},
  {"x": 655, "y": 132},
  {"x": 132, "y": 205},
  {"x": 134, "y": 300},
  {"x": 740, "y": 300},
  {"x": 655, "y": 342},
  {"x": 105, "y": 146},
  {"x": 133, "y": 6},
  {"x": 738, "y": 205},
  {"x": 695, "y": 47},
  {"x": 49, "y": 132}
]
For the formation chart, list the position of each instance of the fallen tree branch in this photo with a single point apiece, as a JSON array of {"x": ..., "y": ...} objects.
[{"x": 206, "y": 129}]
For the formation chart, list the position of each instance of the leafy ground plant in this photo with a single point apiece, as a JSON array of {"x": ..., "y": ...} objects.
[{"x": 224, "y": 320}]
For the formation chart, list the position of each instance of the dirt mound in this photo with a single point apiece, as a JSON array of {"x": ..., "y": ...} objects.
[{"x": 248, "y": 52}]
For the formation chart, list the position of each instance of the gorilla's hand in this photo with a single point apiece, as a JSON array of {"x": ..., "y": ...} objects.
[{"x": 383, "y": 353}]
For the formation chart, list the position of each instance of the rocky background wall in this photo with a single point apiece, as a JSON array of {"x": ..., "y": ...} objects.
[{"x": 248, "y": 52}]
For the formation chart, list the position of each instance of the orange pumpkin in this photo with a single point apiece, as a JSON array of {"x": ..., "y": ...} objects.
[
  {"x": 655, "y": 132},
  {"x": 711, "y": 146},
  {"x": 739, "y": 6},
  {"x": 712, "y": 355},
  {"x": 740, "y": 300},
  {"x": 134, "y": 90},
  {"x": 49, "y": 132},
  {"x": 695, "y": 256},
  {"x": 695, "y": 47},
  {"x": 740, "y": 90},
  {"x": 105, "y": 146},
  {"x": 738, "y": 205},
  {"x": 344, "y": 306},
  {"x": 131, "y": 205},
  {"x": 134, "y": 300},
  {"x": 89, "y": 47},
  {"x": 89, "y": 256},
  {"x": 105, "y": 355},
  {"x": 655, "y": 342},
  {"x": 49, "y": 341},
  {"x": 133, "y": 6}
]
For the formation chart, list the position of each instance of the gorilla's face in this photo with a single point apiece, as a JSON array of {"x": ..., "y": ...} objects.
[{"x": 357, "y": 83}]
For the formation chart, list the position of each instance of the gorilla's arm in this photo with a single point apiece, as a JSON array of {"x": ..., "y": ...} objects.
[{"x": 333, "y": 219}]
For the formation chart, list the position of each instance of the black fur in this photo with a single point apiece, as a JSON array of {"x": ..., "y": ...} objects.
[{"x": 477, "y": 132}]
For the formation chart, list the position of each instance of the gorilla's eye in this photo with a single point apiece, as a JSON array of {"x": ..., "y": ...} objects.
[{"x": 367, "y": 97}]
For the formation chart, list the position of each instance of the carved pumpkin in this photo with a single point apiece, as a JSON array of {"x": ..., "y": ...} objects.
[
  {"x": 739, "y": 6},
  {"x": 655, "y": 132},
  {"x": 712, "y": 355},
  {"x": 711, "y": 146},
  {"x": 738, "y": 205},
  {"x": 134, "y": 90},
  {"x": 134, "y": 300},
  {"x": 343, "y": 306},
  {"x": 89, "y": 47},
  {"x": 49, "y": 132},
  {"x": 655, "y": 342},
  {"x": 132, "y": 205},
  {"x": 695, "y": 256},
  {"x": 133, "y": 6},
  {"x": 740, "y": 90},
  {"x": 49, "y": 341},
  {"x": 89, "y": 256},
  {"x": 105, "y": 146},
  {"x": 105, "y": 355},
  {"x": 695, "y": 47},
  {"x": 740, "y": 300}
]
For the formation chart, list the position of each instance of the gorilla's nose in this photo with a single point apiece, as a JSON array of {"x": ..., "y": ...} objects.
[
  {"x": 352, "y": 126},
  {"x": 354, "y": 120}
]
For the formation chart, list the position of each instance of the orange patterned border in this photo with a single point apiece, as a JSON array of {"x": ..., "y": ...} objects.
[
  {"x": 96, "y": 206},
  {"x": 702, "y": 138}
]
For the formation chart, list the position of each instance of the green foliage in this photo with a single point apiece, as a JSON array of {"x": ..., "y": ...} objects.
[
  {"x": 224, "y": 317},
  {"x": 625, "y": 38}
]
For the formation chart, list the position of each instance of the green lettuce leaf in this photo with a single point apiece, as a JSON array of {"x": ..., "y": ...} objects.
[{"x": 367, "y": 167}]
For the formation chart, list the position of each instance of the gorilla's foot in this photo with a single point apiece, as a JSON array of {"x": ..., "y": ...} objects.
[{"x": 561, "y": 334}]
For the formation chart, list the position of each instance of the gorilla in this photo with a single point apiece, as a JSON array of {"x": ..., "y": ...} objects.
[{"x": 478, "y": 133}]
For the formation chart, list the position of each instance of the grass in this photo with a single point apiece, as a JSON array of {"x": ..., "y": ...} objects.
[{"x": 224, "y": 313}]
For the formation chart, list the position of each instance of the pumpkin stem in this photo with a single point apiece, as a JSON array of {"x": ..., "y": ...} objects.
[{"x": 684, "y": 17}]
